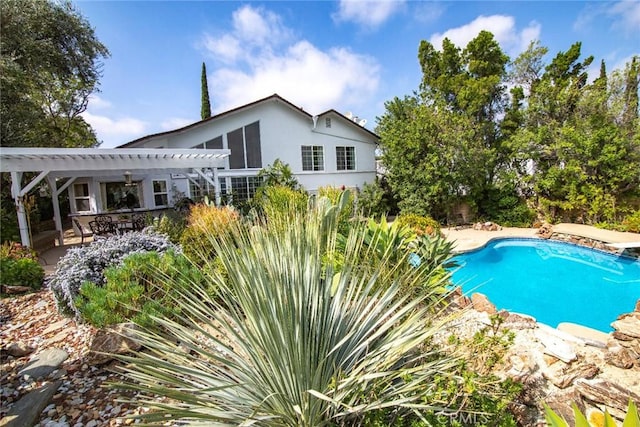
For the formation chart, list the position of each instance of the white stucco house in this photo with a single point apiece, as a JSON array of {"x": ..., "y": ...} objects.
[
  {"x": 218, "y": 156},
  {"x": 328, "y": 149}
]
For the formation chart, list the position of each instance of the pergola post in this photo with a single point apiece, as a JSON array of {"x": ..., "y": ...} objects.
[
  {"x": 23, "y": 225},
  {"x": 56, "y": 208},
  {"x": 216, "y": 187}
]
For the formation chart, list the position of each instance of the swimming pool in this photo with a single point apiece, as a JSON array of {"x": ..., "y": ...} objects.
[{"x": 552, "y": 281}]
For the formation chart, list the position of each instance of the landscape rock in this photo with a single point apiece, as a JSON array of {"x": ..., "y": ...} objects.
[
  {"x": 620, "y": 357},
  {"x": 480, "y": 302},
  {"x": 561, "y": 403},
  {"x": 119, "y": 339},
  {"x": 563, "y": 375},
  {"x": 555, "y": 346},
  {"x": 44, "y": 363},
  {"x": 628, "y": 324},
  {"x": 545, "y": 231},
  {"x": 613, "y": 396},
  {"x": 26, "y": 411},
  {"x": 19, "y": 349},
  {"x": 486, "y": 226},
  {"x": 13, "y": 290}
]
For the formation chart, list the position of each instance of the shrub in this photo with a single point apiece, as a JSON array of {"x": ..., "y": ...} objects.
[
  {"x": 139, "y": 288},
  {"x": 371, "y": 200},
  {"x": 19, "y": 266},
  {"x": 205, "y": 224},
  {"x": 280, "y": 202},
  {"x": 290, "y": 341},
  {"x": 632, "y": 222},
  {"x": 171, "y": 224},
  {"x": 87, "y": 263},
  {"x": 21, "y": 272},
  {"x": 420, "y": 224}
]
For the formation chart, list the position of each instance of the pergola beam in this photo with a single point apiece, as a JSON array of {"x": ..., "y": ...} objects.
[{"x": 52, "y": 163}]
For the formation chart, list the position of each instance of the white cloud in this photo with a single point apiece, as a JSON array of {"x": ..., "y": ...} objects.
[
  {"x": 97, "y": 103},
  {"x": 113, "y": 132},
  {"x": 175, "y": 123},
  {"x": 624, "y": 16},
  {"x": 502, "y": 27},
  {"x": 369, "y": 14},
  {"x": 300, "y": 72},
  {"x": 253, "y": 29},
  {"x": 225, "y": 48}
]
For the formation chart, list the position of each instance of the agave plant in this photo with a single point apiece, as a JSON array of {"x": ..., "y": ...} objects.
[
  {"x": 291, "y": 342},
  {"x": 631, "y": 419}
]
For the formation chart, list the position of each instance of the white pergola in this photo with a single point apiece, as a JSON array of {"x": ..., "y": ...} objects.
[{"x": 53, "y": 163}]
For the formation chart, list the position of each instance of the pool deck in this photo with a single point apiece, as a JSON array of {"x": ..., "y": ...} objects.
[{"x": 468, "y": 239}]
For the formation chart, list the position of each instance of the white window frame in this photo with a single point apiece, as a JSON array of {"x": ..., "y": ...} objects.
[
  {"x": 346, "y": 149},
  {"x": 314, "y": 149},
  {"x": 160, "y": 193},
  {"x": 76, "y": 197}
]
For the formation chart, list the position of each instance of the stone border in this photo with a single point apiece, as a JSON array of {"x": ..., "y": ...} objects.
[{"x": 592, "y": 244}]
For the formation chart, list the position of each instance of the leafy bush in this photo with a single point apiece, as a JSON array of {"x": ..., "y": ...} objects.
[
  {"x": 19, "y": 266},
  {"x": 8, "y": 221},
  {"x": 280, "y": 202},
  {"x": 291, "y": 341},
  {"x": 21, "y": 272},
  {"x": 139, "y": 288},
  {"x": 420, "y": 224},
  {"x": 375, "y": 199},
  {"x": 88, "y": 263},
  {"x": 505, "y": 207},
  {"x": 205, "y": 224},
  {"x": 171, "y": 224},
  {"x": 632, "y": 222},
  {"x": 482, "y": 398},
  {"x": 13, "y": 250}
]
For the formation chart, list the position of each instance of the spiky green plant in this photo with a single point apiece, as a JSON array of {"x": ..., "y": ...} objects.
[
  {"x": 291, "y": 342},
  {"x": 631, "y": 419}
]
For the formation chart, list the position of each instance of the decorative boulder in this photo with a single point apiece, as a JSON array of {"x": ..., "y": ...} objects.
[
  {"x": 119, "y": 339},
  {"x": 480, "y": 302}
]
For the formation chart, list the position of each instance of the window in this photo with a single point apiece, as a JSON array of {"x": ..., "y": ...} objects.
[
  {"x": 81, "y": 197},
  {"x": 215, "y": 143},
  {"x": 201, "y": 187},
  {"x": 244, "y": 144},
  {"x": 346, "y": 158},
  {"x": 243, "y": 188},
  {"x": 160, "y": 194},
  {"x": 312, "y": 158},
  {"x": 327, "y": 122},
  {"x": 120, "y": 195}
]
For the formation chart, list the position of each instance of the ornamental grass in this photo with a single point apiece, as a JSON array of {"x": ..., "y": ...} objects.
[{"x": 291, "y": 339}]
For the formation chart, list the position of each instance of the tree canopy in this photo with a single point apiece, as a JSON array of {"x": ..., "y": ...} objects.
[
  {"x": 50, "y": 63},
  {"x": 554, "y": 142}
]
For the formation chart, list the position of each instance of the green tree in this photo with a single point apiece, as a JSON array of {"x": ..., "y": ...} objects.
[
  {"x": 444, "y": 143},
  {"x": 205, "y": 109},
  {"x": 50, "y": 63}
]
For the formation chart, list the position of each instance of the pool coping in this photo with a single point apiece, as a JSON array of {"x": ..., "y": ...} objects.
[{"x": 468, "y": 240}]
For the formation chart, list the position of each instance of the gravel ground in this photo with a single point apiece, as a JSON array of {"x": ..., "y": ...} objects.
[{"x": 84, "y": 398}]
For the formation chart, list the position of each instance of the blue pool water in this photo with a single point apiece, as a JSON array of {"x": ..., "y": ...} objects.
[{"x": 552, "y": 281}]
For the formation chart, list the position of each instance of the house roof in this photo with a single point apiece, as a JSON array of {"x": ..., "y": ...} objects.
[
  {"x": 274, "y": 97},
  {"x": 89, "y": 161}
]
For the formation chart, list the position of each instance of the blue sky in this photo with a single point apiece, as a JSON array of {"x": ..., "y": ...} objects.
[{"x": 347, "y": 55}]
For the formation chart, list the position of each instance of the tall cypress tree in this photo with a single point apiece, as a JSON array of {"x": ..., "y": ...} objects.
[{"x": 205, "y": 109}]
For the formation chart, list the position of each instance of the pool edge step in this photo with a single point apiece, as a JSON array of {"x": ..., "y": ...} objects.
[{"x": 590, "y": 336}]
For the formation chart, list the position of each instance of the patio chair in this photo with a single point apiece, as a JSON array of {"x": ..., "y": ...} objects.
[
  {"x": 138, "y": 222},
  {"x": 105, "y": 224},
  {"x": 83, "y": 232}
]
